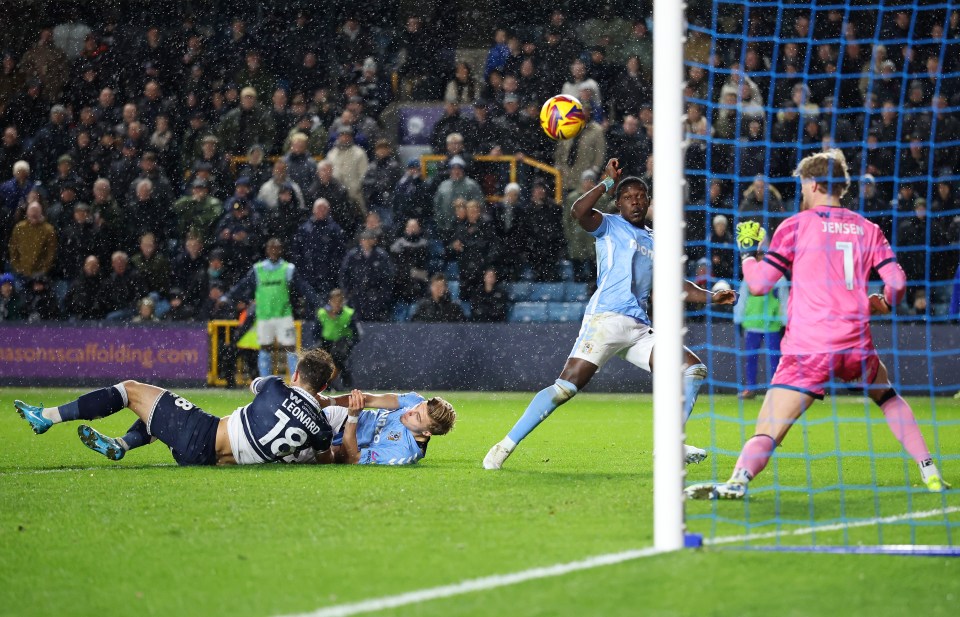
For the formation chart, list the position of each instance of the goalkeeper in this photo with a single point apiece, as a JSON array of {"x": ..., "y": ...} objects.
[{"x": 828, "y": 252}]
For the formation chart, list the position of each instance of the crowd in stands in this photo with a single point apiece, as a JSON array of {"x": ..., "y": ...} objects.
[{"x": 145, "y": 165}]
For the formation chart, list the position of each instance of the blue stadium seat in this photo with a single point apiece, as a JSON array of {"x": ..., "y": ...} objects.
[
  {"x": 547, "y": 292},
  {"x": 575, "y": 292},
  {"x": 566, "y": 270},
  {"x": 452, "y": 271},
  {"x": 402, "y": 311},
  {"x": 528, "y": 312},
  {"x": 565, "y": 311},
  {"x": 519, "y": 292},
  {"x": 454, "y": 287}
]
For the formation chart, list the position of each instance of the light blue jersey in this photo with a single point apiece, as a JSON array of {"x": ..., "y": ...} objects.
[
  {"x": 383, "y": 439},
  {"x": 624, "y": 269}
]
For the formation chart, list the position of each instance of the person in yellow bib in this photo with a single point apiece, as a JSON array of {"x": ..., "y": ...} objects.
[
  {"x": 337, "y": 333},
  {"x": 269, "y": 283}
]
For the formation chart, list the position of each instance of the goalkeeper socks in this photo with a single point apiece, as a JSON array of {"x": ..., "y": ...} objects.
[
  {"x": 90, "y": 406},
  {"x": 264, "y": 363},
  {"x": 292, "y": 360},
  {"x": 693, "y": 377},
  {"x": 136, "y": 436},
  {"x": 541, "y": 407},
  {"x": 904, "y": 427},
  {"x": 755, "y": 454}
]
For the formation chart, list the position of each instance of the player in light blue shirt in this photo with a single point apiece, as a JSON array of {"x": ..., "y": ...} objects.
[
  {"x": 617, "y": 320},
  {"x": 394, "y": 432}
]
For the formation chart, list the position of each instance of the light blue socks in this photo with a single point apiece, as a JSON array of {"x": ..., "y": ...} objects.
[
  {"x": 541, "y": 407},
  {"x": 693, "y": 377}
]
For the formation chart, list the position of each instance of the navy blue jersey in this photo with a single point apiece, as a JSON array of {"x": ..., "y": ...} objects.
[{"x": 279, "y": 422}]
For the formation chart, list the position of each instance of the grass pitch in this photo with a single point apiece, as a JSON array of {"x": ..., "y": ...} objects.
[{"x": 80, "y": 535}]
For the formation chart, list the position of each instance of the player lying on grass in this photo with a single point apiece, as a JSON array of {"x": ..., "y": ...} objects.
[
  {"x": 279, "y": 423},
  {"x": 829, "y": 252},
  {"x": 394, "y": 432},
  {"x": 617, "y": 318}
]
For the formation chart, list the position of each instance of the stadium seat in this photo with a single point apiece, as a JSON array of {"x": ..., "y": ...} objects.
[
  {"x": 565, "y": 311},
  {"x": 454, "y": 287},
  {"x": 566, "y": 270},
  {"x": 528, "y": 312},
  {"x": 575, "y": 292},
  {"x": 547, "y": 292},
  {"x": 402, "y": 311},
  {"x": 519, "y": 292},
  {"x": 451, "y": 270}
]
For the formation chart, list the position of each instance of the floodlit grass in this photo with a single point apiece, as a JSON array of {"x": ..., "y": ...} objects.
[{"x": 80, "y": 535}]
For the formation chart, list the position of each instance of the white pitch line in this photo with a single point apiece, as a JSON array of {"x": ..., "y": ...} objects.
[
  {"x": 833, "y": 527},
  {"x": 503, "y": 580},
  {"x": 477, "y": 584},
  {"x": 40, "y": 472}
]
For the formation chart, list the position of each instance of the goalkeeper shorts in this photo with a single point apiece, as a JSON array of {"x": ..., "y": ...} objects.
[{"x": 813, "y": 373}]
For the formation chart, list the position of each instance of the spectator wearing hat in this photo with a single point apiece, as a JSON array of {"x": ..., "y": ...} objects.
[
  {"x": 457, "y": 186},
  {"x": 198, "y": 212},
  {"x": 121, "y": 289},
  {"x": 366, "y": 278},
  {"x": 318, "y": 248},
  {"x": 284, "y": 220},
  {"x": 412, "y": 197},
  {"x": 382, "y": 176},
  {"x": 65, "y": 173},
  {"x": 78, "y": 240},
  {"x": 11, "y": 303},
  {"x": 243, "y": 190},
  {"x": 349, "y": 166},
  {"x": 269, "y": 192},
  {"x": 13, "y": 194},
  {"x": 519, "y": 134},
  {"x": 51, "y": 141},
  {"x": 60, "y": 212},
  {"x": 146, "y": 311},
  {"x": 41, "y": 303},
  {"x": 33, "y": 244},
  {"x": 248, "y": 124},
  {"x": 374, "y": 89},
  {"x": 179, "y": 309},
  {"x": 256, "y": 168},
  {"x": 300, "y": 165}
]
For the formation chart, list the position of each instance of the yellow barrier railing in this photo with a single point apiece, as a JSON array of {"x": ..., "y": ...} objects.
[
  {"x": 220, "y": 331},
  {"x": 513, "y": 161}
]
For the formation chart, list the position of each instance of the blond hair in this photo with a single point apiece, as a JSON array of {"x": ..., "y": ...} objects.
[
  {"x": 442, "y": 416},
  {"x": 828, "y": 169}
]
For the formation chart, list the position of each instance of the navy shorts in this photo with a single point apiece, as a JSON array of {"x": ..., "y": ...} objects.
[{"x": 190, "y": 432}]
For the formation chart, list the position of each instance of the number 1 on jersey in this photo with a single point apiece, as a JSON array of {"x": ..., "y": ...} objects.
[
  {"x": 283, "y": 419},
  {"x": 847, "y": 248}
]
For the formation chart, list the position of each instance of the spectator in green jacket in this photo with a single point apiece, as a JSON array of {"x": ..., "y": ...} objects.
[{"x": 337, "y": 333}]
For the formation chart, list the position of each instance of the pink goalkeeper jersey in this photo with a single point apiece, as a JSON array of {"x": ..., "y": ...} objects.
[{"x": 828, "y": 254}]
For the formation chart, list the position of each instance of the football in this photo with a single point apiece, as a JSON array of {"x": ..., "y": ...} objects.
[{"x": 562, "y": 117}]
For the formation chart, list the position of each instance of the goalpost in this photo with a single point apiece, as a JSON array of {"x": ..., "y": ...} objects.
[{"x": 840, "y": 482}]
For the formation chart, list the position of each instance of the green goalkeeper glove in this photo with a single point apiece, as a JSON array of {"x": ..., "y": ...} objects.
[{"x": 749, "y": 236}]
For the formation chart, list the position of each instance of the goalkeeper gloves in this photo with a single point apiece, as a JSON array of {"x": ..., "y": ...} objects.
[{"x": 749, "y": 237}]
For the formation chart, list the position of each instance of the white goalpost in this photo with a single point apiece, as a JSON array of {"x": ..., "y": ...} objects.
[{"x": 668, "y": 473}]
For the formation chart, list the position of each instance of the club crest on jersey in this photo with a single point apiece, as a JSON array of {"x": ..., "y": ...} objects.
[{"x": 393, "y": 436}]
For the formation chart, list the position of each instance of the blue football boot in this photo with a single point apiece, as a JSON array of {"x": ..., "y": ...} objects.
[
  {"x": 33, "y": 415},
  {"x": 98, "y": 442}
]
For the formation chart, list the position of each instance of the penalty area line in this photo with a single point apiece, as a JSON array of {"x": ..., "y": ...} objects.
[
  {"x": 477, "y": 584},
  {"x": 503, "y": 580},
  {"x": 41, "y": 472}
]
